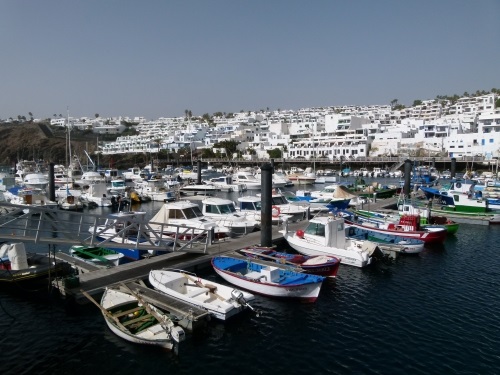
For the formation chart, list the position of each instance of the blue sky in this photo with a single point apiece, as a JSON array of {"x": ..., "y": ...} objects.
[{"x": 160, "y": 57}]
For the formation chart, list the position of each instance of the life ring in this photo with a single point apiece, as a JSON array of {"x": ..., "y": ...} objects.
[{"x": 277, "y": 210}]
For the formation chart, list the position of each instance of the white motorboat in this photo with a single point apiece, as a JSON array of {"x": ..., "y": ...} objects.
[
  {"x": 221, "y": 301},
  {"x": 326, "y": 235},
  {"x": 247, "y": 178},
  {"x": 252, "y": 207},
  {"x": 96, "y": 192},
  {"x": 185, "y": 221},
  {"x": 36, "y": 181},
  {"x": 224, "y": 212},
  {"x": 226, "y": 183}
]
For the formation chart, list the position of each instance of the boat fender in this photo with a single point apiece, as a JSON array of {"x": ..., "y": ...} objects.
[
  {"x": 276, "y": 211},
  {"x": 300, "y": 233}
]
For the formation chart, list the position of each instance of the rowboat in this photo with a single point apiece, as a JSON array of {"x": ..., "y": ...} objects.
[
  {"x": 128, "y": 316},
  {"x": 221, "y": 301},
  {"x": 268, "y": 280},
  {"x": 98, "y": 256}
]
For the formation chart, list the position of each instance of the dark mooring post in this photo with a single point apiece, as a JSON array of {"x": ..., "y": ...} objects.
[
  {"x": 453, "y": 167},
  {"x": 52, "y": 184},
  {"x": 406, "y": 187},
  {"x": 198, "y": 180},
  {"x": 272, "y": 165},
  {"x": 266, "y": 230}
]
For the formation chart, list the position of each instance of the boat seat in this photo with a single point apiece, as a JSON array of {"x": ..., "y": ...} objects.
[
  {"x": 122, "y": 313},
  {"x": 144, "y": 317},
  {"x": 197, "y": 292}
]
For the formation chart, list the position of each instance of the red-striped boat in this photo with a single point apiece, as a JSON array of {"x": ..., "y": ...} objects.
[{"x": 407, "y": 227}]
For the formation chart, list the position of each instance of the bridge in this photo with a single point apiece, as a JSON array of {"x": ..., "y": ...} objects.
[{"x": 44, "y": 225}]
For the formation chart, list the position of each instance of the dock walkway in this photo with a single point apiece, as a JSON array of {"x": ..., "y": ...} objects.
[{"x": 94, "y": 281}]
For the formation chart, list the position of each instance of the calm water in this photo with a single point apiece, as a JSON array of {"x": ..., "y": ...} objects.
[{"x": 433, "y": 313}]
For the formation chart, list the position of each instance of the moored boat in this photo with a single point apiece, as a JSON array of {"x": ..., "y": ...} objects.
[
  {"x": 17, "y": 265},
  {"x": 98, "y": 256},
  {"x": 323, "y": 265},
  {"x": 137, "y": 321},
  {"x": 407, "y": 227},
  {"x": 268, "y": 280},
  {"x": 325, "y": 235},
  {"x": 221, "y": 301},
  {"x": 385, "y": 241}
]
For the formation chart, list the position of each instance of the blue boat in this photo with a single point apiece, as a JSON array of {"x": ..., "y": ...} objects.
[{"x": 268, "y": 280}]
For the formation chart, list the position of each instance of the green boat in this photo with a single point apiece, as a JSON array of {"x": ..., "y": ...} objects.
[
  {"x": 98, "y": 256},
  {"x": 408, "y": 209},
  {"x": 427, "y": 216}
]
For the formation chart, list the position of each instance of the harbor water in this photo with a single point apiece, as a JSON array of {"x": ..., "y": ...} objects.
[{"x": 432, "y": 313}]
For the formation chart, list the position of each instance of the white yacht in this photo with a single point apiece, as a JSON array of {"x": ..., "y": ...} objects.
[
  {"x": 252, "y": 207},
  {"x": 247, "y": 178},
  {"x": 36, "y": 181},
  {"x": 96, "y": 192},
  {"x": 226, "y": 183},
  {"x": 226, "y": 215},
  {"x": 184, "y": 220}
]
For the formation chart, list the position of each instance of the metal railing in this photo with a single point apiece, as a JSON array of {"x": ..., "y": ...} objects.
[{"x": 44, "y": 225}]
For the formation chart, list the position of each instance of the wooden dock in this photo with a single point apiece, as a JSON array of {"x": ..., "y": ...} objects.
[{"x": 94, "y": 280}]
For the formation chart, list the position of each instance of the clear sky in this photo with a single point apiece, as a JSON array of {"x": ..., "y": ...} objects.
[{"x": 156, "y": 58}]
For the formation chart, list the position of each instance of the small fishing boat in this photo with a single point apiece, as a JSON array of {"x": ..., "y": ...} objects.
[
  {"x": 16, "y": 265},
  {"x": 268, "y": 280},
  {"x": 385, "y": 241},
  {"x": 221, "y": 301},
  {"x": 407, "y": 227},
  {"x": 70, "y": 203},
  {"x": 98, "y": 256},
  {"x": 128, "y": 316},
  {"x": 325, "y": 235},
  {"x": 323, "y": 265}
]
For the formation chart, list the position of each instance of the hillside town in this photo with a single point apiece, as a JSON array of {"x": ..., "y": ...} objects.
[{"x": 467, "y": 126}]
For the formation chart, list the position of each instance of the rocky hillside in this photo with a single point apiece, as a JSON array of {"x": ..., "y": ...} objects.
[{"x": 30, "y": 141}]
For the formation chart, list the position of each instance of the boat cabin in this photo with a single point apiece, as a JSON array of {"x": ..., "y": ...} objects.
[{"x": 327, "y": 231}]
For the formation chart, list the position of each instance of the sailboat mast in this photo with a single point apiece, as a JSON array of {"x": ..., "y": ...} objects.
[{"x": 69, "y": 135}]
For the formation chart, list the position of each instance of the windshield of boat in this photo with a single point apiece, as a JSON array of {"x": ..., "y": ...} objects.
[
  {"x": 220, "y": 208},
  {"x": 192, "y": 212},
  {"x": 316, "y": 229},
  {"x": 279, "y": 200},
  {"x": 252, "y": 206}
]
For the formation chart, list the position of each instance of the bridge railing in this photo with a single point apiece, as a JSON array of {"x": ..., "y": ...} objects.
[{"x": 43, "y": 225}]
